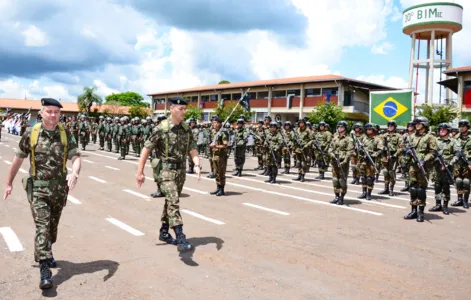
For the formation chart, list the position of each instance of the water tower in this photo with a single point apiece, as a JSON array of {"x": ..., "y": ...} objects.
[{"x": 433, "y": 23}]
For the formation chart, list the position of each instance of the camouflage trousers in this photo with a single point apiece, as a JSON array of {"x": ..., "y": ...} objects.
[
  {"x": 116, "y": 143},
  {"x": 123, "y": 146},
  {"x": 171, "y": 184},
  {"x": 239, "y": 157},
  {"x": 367, "y": 174},
  {"x": 340, "y": 184},
  {"x": 354, "y": 165},
  {"x": 462, "y": 176},
  {"x": 259, "y": 155},
  {"x": 219, "y": 166},
  {"x": 441, "y": 184},
  {"x": 303, "y": 161},
  {"x": 286, "y": 157},
  {"x": 101, "y": 137},
  {"x": 46, "y": 206},
  {"x": 94, "y": 135},
  {"x": 274, "y": 158},
  {"x": 418, "y": 185},
  {"x": 109, "y": 143},
  {"x": 322, "y": 160},
  {"x": 389, "y": 173},
  {"x": 83, "y": 139}
]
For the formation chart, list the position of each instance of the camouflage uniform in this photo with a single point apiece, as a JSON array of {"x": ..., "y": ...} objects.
[
  {"x": 94, "y": 131},
  {"x": 240, "y": 144},
  {"x": 136, "y": 136},
  {"x": 341, "y": 148},
  {"x": 303, "y": 140},
  {"x": 194, "y": 132},
  {"x": 116, "y": 141},
  {"x": 324, "y": 137},
  {"x": 274, "y": 144},
  {"x": 219, "y": 161},
  {"x": 109, "y": 133},
  {"x": 287, "y": 136},
  {"x": 49, "y": 190},
  {"x": 122, "y": 136},
  {"x": 367, "y": 169},
  {"x": 101, "y": 132},
  {"x": 83, "y": 131},
  {"x": 23, "y": 124},
  {"x": 462, "y": 173},
  {"x": 404, "y": 161},
  {"x": 389, "y": 142},
  {"x": 258, "y": 135}
]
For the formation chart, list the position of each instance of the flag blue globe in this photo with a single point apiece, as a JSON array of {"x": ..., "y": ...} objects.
[{"x": 390, "y": 109}]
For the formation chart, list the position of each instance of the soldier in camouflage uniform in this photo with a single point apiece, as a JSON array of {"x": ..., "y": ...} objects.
[
  {"x": 194, "y": 131},
  {"x": 462, "y": 170},
  {"x": 390, "y": 145},
  {"x": 287, "y": 135},
  {"x": 136, "y": 136},
  {"x": 75, "y": 128},
  {"x": 240, "y": 144},
  {"x": 358, "y": 131},
  {"x": 323, "y": 137},
  {"x": 219, "y": 153},
  {"x": 367, "y": 169},
  {"x": 425, "y": 145},
  {"x": 23, "y": 125},
  {"x": 122, "y": 136},
  {"x": 48, "y": 184},
  {"x": 83, "y": 131},
  {"x": 109, "y": 134},
  {"x": 263, "y": 136},
  {"x": 172, "y": 140},
  {"x": 156, "y": 172},
  {"x": 342, "y": 149},
  {"x": 146, "y": 131},
  {"x": 274, "y": 143},
  {"x": 259, "y": 145},
  {"x": 115, "y": 127},
  {"x": 94, "y": 130},
  {"x": 405, "y": 162},
  {"x": 447, "y": 148},
  {"x": 101, "y": 132},
  {"x": 302, "y": 145}
]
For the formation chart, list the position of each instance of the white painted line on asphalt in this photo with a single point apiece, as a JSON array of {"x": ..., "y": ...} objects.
[
  {"x": 97, "y": 179},
  {"x": 137, "y": 194},
  {"x": 111, "y": 157},
  {"x": 124, "y": 227},
  {"x": 73, "y": 200},
  {"x": 197, "y": 215},
  {"x": 11, "y": 239},
  {"x": 196, "y": 191},
  {"x": 7, "y": 146},
  {"x": 7, "y": 162},
  {"x": 267, "y": 209},
  {"x": 23, "y": 171},
  {"x": 88, "y": 161},
  {"x": 14, "y": 148},
  {"x": 116, "y": 169}
]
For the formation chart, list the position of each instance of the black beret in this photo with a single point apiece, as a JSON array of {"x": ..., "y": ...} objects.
[
  {"x": 178, "y": 101},
  {"x": 50, "y": 102}
]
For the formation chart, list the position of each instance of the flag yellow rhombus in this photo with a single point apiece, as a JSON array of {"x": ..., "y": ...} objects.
[{"x": 387, "y": 111}]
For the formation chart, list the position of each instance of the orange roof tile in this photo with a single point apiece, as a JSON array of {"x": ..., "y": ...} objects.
[
  {"x": 458, "y": 70},
  {"x": 67, "y": 106}
]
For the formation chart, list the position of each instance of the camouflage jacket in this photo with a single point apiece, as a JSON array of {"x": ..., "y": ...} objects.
[
  {"x": 370, "y": 144},
  {"x": 49, "y": 153},
  {"x": 448, "y": 148},
  {"x": 221, "y": 139},
  {"x": 425, "y": 145},
  {"x": 344, "y": 148},
  {"x": 465, "y": 145},
  {"x": 393, "y": 144},
  {"x": 304, "y": 137},
  {"x": 324, "y": 138},
  {"x": 146, "y": 131},
  {"x": 94, "y": 128},
  {"x": 240, "y": 137},
  {"x": 275, "y": 140},
  {"x": 173, "y": 145}
]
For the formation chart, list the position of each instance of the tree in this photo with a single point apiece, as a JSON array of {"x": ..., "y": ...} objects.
[
  {"x": 327, "y": 112},
  {"x": 139, "y": 111},
  {"x": 114, "y": 108},
  {"x": 127, "y": 99},
  {"x": 87, "y": 98},
  {"x": 437, "y": 114},
  {"x": 223, "y": 82},
  {"x": 223, "y": 112},
  {"x": 194, "y": 112}
]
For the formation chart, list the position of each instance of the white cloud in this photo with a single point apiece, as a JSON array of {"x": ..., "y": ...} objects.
[
  {"x": 102, "y": 89},
  {"x": 13, "y": 89},
  {"x": 383, "y": 48},
  {"x": 34, "y": 37},
  {"x": 57, "y": 92}
]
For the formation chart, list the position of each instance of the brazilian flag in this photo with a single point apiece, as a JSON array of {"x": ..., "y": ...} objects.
[{"x": 391, "y": 105}]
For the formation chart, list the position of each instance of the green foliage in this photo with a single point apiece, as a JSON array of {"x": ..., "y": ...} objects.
[
  {"x": 223, "y": 112},
  {"x": 87, "y": 98},
  {"x": 223, "y": 82},
  {"x": 329, "y": 113},
  {"x": 127, "y": 99},
  {"x": 436, "y": 114},
  {"x": 194, "y": 112},
  {"x": 139, "y": 111}
]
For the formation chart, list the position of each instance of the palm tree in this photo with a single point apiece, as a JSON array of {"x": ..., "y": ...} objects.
[{"x": 88, "y": 97}]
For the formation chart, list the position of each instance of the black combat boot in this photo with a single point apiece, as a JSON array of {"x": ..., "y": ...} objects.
[
  {"x": 286, "y": 170},
  {"x": 391, "y": 190},
  {"x": 236, "y": 172},
  {"x": 377, "y": 178},
  {"x": 210, "y": 175},
  {"x": 274, "y": 174},
  {"x": 459, "y": 202},
  {"x": 302, "y": 178},
  {"x": 363, "y": 194},
  {"x": 466, "y": 201},
  {"x": 157, "y": 194},
  {"x": 406, "y": 187},
  {"x": 368, "y": 194},
  {"x": 216, "y": 191},
  {"x": 421, "y": 215},
  {"x": 342, "y": 196},
  {"x": 265, "y": 171},
  {"x": 445, "y": 207},
  {"x": 270, "y": 175},
  {"x": 437, "y": 207},
  {"x": 46, "y": 275},
  {"x": 412, "y": 214},
  {"x": 321, "y": 175},
  {"x": 298, "y": 178},
  {"x": 221, "y": 191},
  {"x": 239, "y": 174},
  {"x": 386, "y": 189},
  {"x": 165, "y": 236},
  {"x": 182, "y": 243},
  {"x": 355, "y": 180},
  {"x": 336, "y": 199}
]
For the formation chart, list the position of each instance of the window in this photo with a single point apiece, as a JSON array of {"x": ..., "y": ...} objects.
[
  {"x": 226, "y": 96},
  {"x": 294, "y": 92},
  {"x": 236, "y": 96},
  {"x": 347, "y": 98},
  {"x": 279, "y": 94},
  {"x": 312, "y": 92},
  {"x": 260, "y": 116},
  {"x": 262, "y": 95},
  {"x": 206, "y": 116},
  {"x": 253, "y": 95},
  {"x": 204, "y": 98},
  {"x": 331, "y": 91},
  {"x": 194, "y": 99},
  {"x": 213, "y": 98}
]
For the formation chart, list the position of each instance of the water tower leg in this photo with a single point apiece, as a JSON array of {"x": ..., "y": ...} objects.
[
  {"x": 427, "y": 72},
  {"x": 411, "y": 66},
  {"x": 432, "y": 66},
  {"x": 449, "y": 58}
]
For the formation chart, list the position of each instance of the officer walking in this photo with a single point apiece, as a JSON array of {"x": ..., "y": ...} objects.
[
  {"x": 219, "y": 156},
  {"x": 172, "y": 140},
  {"x": 49, "y": 145}
]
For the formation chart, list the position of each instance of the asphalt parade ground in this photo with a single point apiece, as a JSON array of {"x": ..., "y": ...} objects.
[{"x": 260, "y": 241}]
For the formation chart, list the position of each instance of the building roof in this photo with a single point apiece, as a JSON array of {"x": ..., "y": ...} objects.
[
  {"x": 458, "y": 70},
  {"x": 280, "y": 81},
  {"x": 70, "y": 107}
]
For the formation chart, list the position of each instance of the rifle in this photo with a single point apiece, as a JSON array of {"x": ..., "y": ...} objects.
[
  {"x": 284, "y": 141},
  {"x": 464, "y": 159},
  {"x": 337, "y": 161},
  {"x": 388, "y": 153},
  {"x": 269, "y": 147},
  {"x": 415, "y": 157},
  {"x": 361, "y": 149},
  {"x": 445, "y": 166},
  {"x": 298, "y": 143},
  {"x": 318, "y": 146}
]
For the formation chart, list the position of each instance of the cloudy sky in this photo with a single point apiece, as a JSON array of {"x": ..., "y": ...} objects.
[{"x": 56, "y": 47}]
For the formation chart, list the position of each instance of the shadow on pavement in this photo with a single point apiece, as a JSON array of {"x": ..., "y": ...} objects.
[
  {"x": 431, "y": 216},
  {"x": 67, "y": 270},
  {"x": 187, "y": 257}
]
